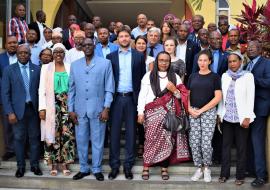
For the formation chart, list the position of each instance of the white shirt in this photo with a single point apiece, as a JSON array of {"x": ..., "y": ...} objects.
[
  {"x": 181, "y": 51},
  {"x": 41, "y": 29},
  {"x": 146, "y": 94},
  {"x": 148, "y": 60},
  {"x": 12, "y": 58},
  {"x": 47, "y": 44},
  {"x": 73, "y": 55}
]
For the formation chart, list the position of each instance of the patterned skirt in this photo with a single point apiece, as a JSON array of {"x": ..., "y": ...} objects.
[{"x": 63, "y": 150}]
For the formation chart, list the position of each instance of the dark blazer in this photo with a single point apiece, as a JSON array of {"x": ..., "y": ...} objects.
[
  {"x": 98, "y": 49},
  {"x": 192, "y": 37},
  {"x": 65, "y": 39},
  {"x": 261, "y": 73},
  {"x": 222, "y": 63},
  {"x": 138, "y": 70},
  {"x": 13, "y": 91},
  {"x": 34, "y": 26},
  {"x": 191, "y": 51},
  {"x": 4, "y": 62}
]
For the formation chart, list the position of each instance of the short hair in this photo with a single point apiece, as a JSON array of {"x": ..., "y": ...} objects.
[
  {"x": 124, "y": 29},
  {"x": 154, "y": 29},
  {"x": 207, "y": 53},
  {"x": 102, "y": 28},
  {"x": 49, "y": 49},
  {"x": 236, "y": 30},
  {"x": 39, "y": 13},
  {"x": 201, "y": 17}
]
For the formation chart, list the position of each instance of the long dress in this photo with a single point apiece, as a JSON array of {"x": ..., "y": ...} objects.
[{"x": 63, "y": 150}]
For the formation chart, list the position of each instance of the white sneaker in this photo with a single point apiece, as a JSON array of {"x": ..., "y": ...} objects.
[
  {"x": 197, "y": 175},
  {"x": 207, "y": 175}
]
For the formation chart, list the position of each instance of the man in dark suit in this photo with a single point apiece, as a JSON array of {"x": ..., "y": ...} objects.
[
  {"x": 260, "y": 68},
  {"x": 219, "y": 63},
  {"x": 197, "y": 24},
  {"x": 128, "y": 69},
  {"x": 186, "y": 49},
  {"x": 7, "y": 58},
  {"x": 20, "y": 84},
  {"x": 66, "y": 32},
  {"x": 39, "y": 26}
]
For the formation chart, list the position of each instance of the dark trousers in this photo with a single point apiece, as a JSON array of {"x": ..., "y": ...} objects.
[
  {"x": 257, "y": 155},
  {"x": 8, "y": 133},
  {"x": 29, "y": 124},
  {"x": 234, "y": 132},
  {"x": 217, "y": 146},
  {"x": 140, "y": 134},
  {"x": 123, "y": 109}
]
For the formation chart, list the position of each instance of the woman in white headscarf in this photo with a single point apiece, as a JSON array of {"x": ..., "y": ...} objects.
[{"x": 57, "y": 130}]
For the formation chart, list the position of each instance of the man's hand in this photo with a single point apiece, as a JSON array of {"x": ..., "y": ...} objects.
[
  {"x": 73, "y": 117},
  {"x": 246, "y": 123},
  {"x": 12, "y": 119},
  {"x": 42, "y": 114},
  {"x": 140, "y": 119},
  {"x": 104, "y": 115}
]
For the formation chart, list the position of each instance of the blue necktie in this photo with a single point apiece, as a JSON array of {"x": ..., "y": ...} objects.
[
  {"x": 26, "y": 83},
  {"x": 250, "y": 66}
]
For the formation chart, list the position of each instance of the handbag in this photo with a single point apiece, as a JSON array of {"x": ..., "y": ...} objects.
[{"x": 174, "y": 123}]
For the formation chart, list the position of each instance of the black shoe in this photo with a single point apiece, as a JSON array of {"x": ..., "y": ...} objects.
[
  {"x": 258, "y": 182},
  {"x": 36, "y": 170},
  {"x": 20, "y": 172},
  {"x": 128, "y": 173},
  {"x": 113, "y": 174},
  {"x": 80, "y": 175},
  {"x": 7, "y": 156},
  {"x": 99, "y": 176}
]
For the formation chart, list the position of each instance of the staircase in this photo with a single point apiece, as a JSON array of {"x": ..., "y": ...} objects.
[{"x": 179, "y": 178}]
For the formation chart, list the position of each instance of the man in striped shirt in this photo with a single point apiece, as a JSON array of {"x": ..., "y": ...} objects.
[{"x": 17, "y": 25}]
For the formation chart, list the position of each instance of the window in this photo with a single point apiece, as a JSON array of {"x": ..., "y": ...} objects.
[{"x": 223, "y": 10}]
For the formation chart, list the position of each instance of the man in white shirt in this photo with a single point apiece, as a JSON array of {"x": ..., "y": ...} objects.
[
  {"x": 141, "y": 29},
  {"x": 39, "y": 26},
  {"x": 76, "y": 52}
]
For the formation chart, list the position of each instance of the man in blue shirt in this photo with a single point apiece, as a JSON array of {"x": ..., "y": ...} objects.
[
  {"x": 128, "y": 69},
  {"x": 141, "y": 29},
  {"x": 31, "y": 37}
]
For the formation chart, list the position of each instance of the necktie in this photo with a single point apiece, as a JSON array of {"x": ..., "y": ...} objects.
[
  {"x": 151, "y": 53},
  {"x": 250, "y": 66},
  {"x": 26, "y": 82}
]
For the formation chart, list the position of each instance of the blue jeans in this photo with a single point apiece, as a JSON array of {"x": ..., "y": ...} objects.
[{"x": 94, "y": 129}]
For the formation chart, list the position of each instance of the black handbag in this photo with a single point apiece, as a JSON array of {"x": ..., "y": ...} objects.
[{"x": 176, "y": 123}]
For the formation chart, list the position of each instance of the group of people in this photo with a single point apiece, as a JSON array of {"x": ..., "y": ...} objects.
[{"x": 67, "y": 87}]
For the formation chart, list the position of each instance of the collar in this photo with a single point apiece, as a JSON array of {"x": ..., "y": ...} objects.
[
  {"x": 20, "y": 18},
  {"x": 21, "y": 65},
  {"x": 256, "y": 59},
  {"x": 9, "y": 55},
  {"x": 238, "y": 47},
  {"x": 215, "y": 51},
  {"x": 34, "y": 46},
  {"x": 185, "y": 43},
  {"x": 122, "y": 51},
  {"x": 107, "y": 46}
]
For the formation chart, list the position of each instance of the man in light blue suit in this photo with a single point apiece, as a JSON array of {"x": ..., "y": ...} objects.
[
  {"x": 104, "y": 47},
  {"x": 91, "y": 88}
]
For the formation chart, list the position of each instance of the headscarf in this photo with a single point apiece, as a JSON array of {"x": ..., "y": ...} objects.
[
  {"x": 240, "y": 72},
  {"x": 58, "y": 45}
]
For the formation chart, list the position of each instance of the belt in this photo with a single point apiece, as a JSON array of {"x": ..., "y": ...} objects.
[
  {"x": 124, "y": 94},
  {"x": 28, "y": 103}
]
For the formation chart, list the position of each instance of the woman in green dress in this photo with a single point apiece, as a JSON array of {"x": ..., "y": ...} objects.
[{"x": 57, "y": 130}]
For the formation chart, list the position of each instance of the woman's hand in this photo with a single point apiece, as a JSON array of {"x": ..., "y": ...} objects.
[
  {"x": 73, "y": 117},
  {"x": 171, "y": 87},
  {"x": 140, "y": 119},
  {"x": 246, "y": 123},
  {"x": 42, "y": 114},
  {"x": 192, "y": 112}
]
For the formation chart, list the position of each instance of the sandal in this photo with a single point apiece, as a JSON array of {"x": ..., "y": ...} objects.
[
  {"x": 239, "y": 181},
  {"x": 164, "y": 174},
  {"x": 54, "y": 171},
  {"x": 140, "y": 151},
  {"x": 66, "y": 171},
  {"x": 145, "y": 174},
  {"x": 222, "y": 179}
]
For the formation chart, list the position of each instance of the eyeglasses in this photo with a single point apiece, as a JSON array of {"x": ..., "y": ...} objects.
[{"x": 163, "y": 61}]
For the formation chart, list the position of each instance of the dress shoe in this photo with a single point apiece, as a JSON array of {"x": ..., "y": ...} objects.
[
  {"x": 113, "y": 174},
  {"x": 99, "y": 176},
  {"x": 36, "y": 170},
  {"x": 258, "y": 182},
  {"x": 20, "y": 172},
  {"x": 80, "y": 175},
  {"x": 7, "y": 156},
  {"x": 128, "y": 173}
]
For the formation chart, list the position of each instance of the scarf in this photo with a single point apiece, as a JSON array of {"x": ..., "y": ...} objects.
[{"x": 236, "y": 75}]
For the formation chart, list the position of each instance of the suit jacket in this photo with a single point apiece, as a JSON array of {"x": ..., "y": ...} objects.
[
  {"x": 34, "y": 26},
  {"x": 98, "y": 49},
  {"x": 192, "y": 37},
  {"x": 91, "y": 87},
  {"x": 13, "y": 91},
  {"x": 65, "y": 38},
  {"x": 222, "y": 63},
  {"x": 261, "y": 73},
  {"x": 4, "y": 62},
  {"x": 192, "y": 50},
  {"x": 138, "y": 70}
]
